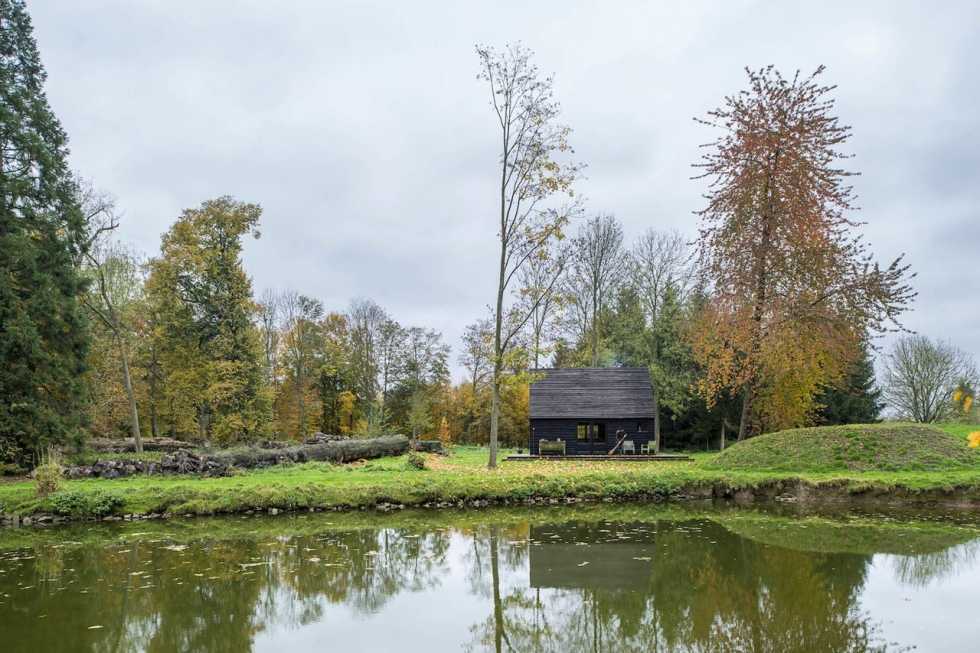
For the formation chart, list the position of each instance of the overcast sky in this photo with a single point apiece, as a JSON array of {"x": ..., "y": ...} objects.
[{"x": 361, "y": 129}]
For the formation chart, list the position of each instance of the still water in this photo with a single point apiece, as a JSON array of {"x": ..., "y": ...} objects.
[{"x": 697, "y": 577}]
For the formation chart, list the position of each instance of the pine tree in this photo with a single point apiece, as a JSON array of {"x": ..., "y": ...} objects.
[
  {"x": 857, "y": 400},
  {"x": 43, "y": 332}
]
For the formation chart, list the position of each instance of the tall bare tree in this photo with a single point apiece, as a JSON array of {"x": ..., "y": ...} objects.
[
  {"x": 116, "y": 272},
  {"x": 542, "y": 298},
  {"x": 662, "y": 274},
  {"x": 530, "y": 140},
  {"x": 477, "y": 354},
  {"x": 364, "y": 322},
  {"x": 595, "y": 270},
  {"x": 270, "y": 328},
  {"x": 116, "y": 289}
]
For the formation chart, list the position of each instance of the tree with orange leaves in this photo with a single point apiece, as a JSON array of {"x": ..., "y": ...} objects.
[{"x": 794, "y": 292}]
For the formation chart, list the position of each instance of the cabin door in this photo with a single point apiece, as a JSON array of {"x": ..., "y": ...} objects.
[{"x": 591, "y": 438}]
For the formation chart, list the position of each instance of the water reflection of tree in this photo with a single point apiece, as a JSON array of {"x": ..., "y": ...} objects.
[
  {"x": 360, "y": 569},
  {"x": 922, "y": 570},
  {"x": 208, "y": 595},
  {"x": 709, "y": 590}
]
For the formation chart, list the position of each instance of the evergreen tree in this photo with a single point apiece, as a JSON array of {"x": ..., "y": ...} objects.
[
  {"x": 43, "y": 332},
  {"x": 857, "y": 400}
]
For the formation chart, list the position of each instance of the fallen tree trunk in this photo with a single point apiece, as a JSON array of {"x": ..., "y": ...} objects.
[
  {"x": 338, "y": 452},
  {"x": 128, "y": 445},
  {"x": 218, "y": 464}
]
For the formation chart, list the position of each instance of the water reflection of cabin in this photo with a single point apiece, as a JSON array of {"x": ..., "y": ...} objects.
[
  {"x": 585, "y": 407},
  {"x": 592, "y": 556}
]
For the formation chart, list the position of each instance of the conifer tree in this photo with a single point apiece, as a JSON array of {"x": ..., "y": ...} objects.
[{"x": 43, "y": 332}]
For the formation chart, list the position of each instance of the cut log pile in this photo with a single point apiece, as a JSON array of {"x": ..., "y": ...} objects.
[{"x": 338, "y": 450}]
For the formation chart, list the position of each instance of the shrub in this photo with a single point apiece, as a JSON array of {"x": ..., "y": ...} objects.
[
  {"x": 11, "y": 469},
  {"x": 416, "y": 460},
  {"x": 73, "y": 503},
  {"x": 47, "y": 476}
]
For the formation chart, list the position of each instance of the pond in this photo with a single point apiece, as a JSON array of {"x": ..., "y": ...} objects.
[{"x": 669, "y": 577}]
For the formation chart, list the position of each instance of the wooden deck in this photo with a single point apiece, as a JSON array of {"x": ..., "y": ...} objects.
[{"x": 604, "y": 458}]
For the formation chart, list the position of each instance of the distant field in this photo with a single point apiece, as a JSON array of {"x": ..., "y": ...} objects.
[{"x": 854, "y": 448}]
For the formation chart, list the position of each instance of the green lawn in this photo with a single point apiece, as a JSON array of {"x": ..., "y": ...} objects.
[
  {"x": 463, "y": 477},
  {"x": 854, "y": 448}
]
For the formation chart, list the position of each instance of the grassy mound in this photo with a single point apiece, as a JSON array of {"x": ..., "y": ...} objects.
[{"x": 852, "y": 448}]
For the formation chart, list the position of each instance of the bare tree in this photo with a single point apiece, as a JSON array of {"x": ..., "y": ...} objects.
[
  {"x": 117, "y": 280},
  {"x": 477, "y": 352},
  {"x": 530, "y": 138},
  {"x": 99, "y": 213},
  {"x": 364, "y": 321},
  {"x": 117, "y": 287},
  {"x": 598, "y": 260},
  {"x": 541, "y": 297},
  {"x": 270, "y": 310},
  {"x": 920, "y": 377},
  {"x": 663, "y": 276}
]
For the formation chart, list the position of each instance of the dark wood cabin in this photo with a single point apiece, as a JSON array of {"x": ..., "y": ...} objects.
[{"x": 585, "y": 407}]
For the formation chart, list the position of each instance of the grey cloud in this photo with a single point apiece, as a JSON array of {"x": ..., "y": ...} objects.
[{"x": 361, "y": 129}]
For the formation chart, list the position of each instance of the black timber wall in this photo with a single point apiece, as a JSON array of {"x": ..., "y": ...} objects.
[{"x": 567, "y": 431}]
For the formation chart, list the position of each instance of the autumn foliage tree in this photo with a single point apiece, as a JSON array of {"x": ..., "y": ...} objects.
[
  {"x": 205, "y": 333},
  {"x": 795, "y": 292}
]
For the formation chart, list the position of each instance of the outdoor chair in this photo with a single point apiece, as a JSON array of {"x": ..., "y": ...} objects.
[
  {"x": 645, "y": 448},
  {"x": 629, "y": 447}
]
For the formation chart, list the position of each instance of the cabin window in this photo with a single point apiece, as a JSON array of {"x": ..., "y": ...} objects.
[
  {"x": 591, "y": 432},
  {"x": 641, "y": 427}
]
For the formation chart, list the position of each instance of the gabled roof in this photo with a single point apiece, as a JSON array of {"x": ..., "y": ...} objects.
[{"x": 599, "y": 393}]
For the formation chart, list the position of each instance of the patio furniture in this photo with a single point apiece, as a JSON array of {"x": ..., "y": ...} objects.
[
  {"x": 551, "y": 447},
  {"x": 628, "y": 447}
]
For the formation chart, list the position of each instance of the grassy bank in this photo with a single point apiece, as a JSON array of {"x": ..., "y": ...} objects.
[{"x": 463, "y": 479}]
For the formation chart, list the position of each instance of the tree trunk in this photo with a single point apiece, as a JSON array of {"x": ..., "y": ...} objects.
[
  {"x": 339, "y": 451},
  {"x": 743, "y": 423},
  {"x": 153, "y": 405},
  {"x": 129, "y": 395},
  {"x": 494, "y": 420},
  {"x": 299, "y": 406},
  {"x": 656, "y": 420},
  {"x": 656, "y": 401},
  {"x": 723, "y": 433}
]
